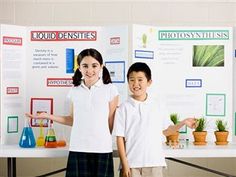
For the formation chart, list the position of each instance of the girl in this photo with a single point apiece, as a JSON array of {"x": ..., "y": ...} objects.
[{"x": 93, "y": 104}]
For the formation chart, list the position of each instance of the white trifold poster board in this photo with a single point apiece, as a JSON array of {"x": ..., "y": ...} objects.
[
  {"x": 37, "y": 64},
  {"x": 192, "y": 69}
]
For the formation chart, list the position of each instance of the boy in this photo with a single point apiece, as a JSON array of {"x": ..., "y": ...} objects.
[{"x": 138, "y": 127}]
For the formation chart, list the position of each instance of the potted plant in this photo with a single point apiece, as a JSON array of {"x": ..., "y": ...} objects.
[
  {"x": 173, "y": 138},
  {"x": 221, "y": 132},
  {"x": 200, "y": 134}
]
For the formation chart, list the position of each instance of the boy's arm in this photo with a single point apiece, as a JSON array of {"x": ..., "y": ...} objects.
[
  {"x": 123, "y": 157},
  {"x": 190, "y": 122}
]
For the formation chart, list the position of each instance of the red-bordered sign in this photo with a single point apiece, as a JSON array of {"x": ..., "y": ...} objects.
[
  {"x": 63, "y": 35},
  {"x": 59, "y": 82},
  {"x": 39, "y": 105},
  {"x": 115, "y": 40},
  {"x": 8, "y": 40},
  {"x": 12, "y": 90}
]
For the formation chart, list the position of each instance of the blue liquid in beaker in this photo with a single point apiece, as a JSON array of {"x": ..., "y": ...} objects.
[{"x": 27, "y": 139}]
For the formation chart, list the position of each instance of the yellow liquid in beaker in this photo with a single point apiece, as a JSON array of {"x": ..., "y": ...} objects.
[{"x": 40, "y": 141}]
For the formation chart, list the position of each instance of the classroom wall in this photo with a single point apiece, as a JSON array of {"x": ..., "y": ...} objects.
[{"x": 109, "y": 12}]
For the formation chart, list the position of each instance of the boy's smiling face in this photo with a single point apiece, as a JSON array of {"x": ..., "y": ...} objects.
[{"x": 138, "y": 84}]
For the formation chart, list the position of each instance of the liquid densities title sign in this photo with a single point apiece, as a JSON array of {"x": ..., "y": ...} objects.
[
  {"x": 63, "y": 35},
  {"x": 193, "y": 35}
]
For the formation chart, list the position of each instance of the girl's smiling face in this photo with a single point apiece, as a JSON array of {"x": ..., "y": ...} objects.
[{"x": 90, "y": 69}]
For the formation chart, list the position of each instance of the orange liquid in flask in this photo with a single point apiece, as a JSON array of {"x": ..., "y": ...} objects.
[{"x": 50, "y": 140}]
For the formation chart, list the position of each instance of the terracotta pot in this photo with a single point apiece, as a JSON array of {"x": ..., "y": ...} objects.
[
  {"x": 221, "y": 137},
  {"x": 174, "y": 138},
  {"x": 199, "y": 138}
]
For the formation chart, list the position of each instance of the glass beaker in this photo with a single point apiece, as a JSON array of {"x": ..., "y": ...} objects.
[
  {"x": 50, "y": 140},
  {"x": 27, "y": 139},
  {"x": 40, "y": 139},
  {"x": 61, "y": 141}
]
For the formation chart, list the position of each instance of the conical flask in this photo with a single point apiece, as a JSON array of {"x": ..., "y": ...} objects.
[
  {"x": 27, "y": 139},
  {"x": 50, "y": 140}
]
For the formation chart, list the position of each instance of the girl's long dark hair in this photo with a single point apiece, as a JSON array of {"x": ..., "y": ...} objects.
[{"x": 77, "y": 78}]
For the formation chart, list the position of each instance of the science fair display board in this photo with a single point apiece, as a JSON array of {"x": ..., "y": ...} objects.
[
  {"x": 192, "y": 71},
  {"x": 37, "y": 65}
]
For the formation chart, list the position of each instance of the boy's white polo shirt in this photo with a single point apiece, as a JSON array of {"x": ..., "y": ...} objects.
[
  {"x": 90, "y": 131},
  {"x": 141, "y": 124}
]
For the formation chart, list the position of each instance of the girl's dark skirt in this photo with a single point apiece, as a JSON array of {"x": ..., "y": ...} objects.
[{"x": 83, "y": 164}]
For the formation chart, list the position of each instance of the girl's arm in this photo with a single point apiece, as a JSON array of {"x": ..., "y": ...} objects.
[
  {"x": 121, "y": 150},
  {"x": 66, "y": 120},
  {"x": 112, "y": 109},
  {"x": 190, "y": 122}
]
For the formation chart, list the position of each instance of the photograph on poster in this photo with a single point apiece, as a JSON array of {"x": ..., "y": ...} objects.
[
  {"x": 144, "y": 40},
  {"x": 40, "y": 105},
  {"x": 70, "y": 57},
  {"x": 215, "y": 104},
  {"x": 208, "y": 55},
  {"x": 116, "y": 70},
  {"x": 12, "y": 124}
]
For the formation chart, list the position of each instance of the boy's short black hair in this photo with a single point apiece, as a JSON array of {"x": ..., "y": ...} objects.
[{"x": 140, "y": 67}]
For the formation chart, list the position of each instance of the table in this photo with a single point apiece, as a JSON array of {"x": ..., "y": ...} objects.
[
  {"x": 11, "y": 152},
  {"x": 208, "y": 151}
]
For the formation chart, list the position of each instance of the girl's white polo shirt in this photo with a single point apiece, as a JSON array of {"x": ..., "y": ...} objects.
[
  {"x": 141, "y": 124},
  {"x": 90, "y": 131}
]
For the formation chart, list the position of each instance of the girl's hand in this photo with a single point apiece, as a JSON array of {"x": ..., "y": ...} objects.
[{"x": 42, "y": 115}]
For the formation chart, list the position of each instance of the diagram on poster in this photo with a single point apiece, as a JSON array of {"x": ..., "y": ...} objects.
[
  {"x": 12, "y": 124},
  {"x": 41, "y": 105},
  {"x": 117, "y": 71},
  {"x": 215, "y": 104}
]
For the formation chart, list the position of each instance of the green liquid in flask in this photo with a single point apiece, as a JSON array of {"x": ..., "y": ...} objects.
[{"x": 50, "y": 140}]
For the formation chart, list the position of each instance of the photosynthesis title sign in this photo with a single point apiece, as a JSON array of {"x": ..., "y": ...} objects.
[{"x": 193, "y": 35}]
